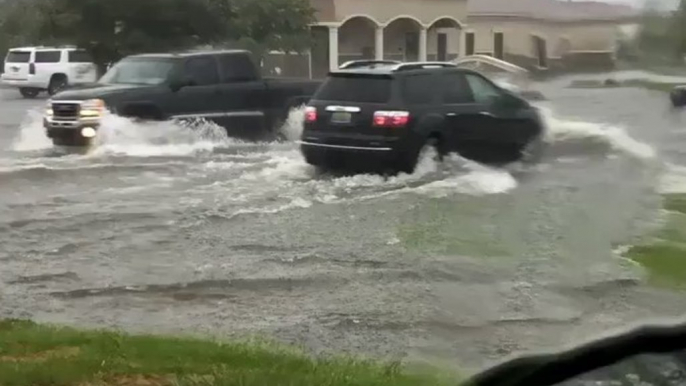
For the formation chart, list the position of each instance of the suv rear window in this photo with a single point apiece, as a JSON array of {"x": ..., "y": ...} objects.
[
  {"x": 79, "y": 57},
  {"x": 48, "y": 56},
  {"x": 362, "y": 89},
  {"x": 18, "y": 57}
]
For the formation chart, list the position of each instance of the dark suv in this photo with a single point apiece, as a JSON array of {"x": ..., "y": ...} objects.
[{"x": 381, "y": 116}]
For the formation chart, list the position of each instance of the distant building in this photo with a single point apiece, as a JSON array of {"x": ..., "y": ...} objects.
[
  {"x": 548, "y": 34},
  {"x": 536, "y": 34},
  {"x": 392, "y": 29}
]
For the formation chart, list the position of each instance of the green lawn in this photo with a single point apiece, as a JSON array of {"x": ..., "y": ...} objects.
[
  {"x": 664, "y": 253},
  {"x": 35, "y": 354}
]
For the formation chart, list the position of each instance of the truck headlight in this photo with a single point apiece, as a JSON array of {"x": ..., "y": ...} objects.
[
  {"x": 92, "y": 108},
  {"x": 48, "y": 109}
]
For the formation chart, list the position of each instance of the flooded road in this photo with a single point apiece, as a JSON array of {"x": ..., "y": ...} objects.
[{"x": 167, "y": 229}]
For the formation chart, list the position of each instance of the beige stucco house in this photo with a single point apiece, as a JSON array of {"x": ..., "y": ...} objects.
[
  {"x": 389, "y": 29},
  {"x": 547, "y": 34},
  {"x": 407, "y": 30},
  {"x": 538, "y": 34}
]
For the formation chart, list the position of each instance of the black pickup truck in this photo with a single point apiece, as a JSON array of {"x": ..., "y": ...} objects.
[{"x": 224, "y": 87}]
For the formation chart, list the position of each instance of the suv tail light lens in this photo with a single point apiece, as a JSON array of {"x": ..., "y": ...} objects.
[
  {"x": 32, "y": 69},
  {"x": 310, "y": 114},
  {"x": 391, "y": 118}
]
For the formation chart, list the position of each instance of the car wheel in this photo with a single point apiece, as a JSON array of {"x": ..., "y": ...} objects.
[
  {"x": 533, "y": 151},
  {"x": 678, "y": 97},
  {"x": 57, "y": 84},
  {"x": 29, "y": 93}
]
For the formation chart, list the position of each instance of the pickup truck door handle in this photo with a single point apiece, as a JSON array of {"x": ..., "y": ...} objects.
[
  {"x": 485, "y": 113},
  {"x": 451, "y": 114}
]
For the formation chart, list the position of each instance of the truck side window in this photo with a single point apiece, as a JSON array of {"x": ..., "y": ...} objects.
[
  {"x": 456, "y": 89},
  {"x": 483, "y": 90},
  {"x": 202, "y": 71},
  {"x": 237, "y": 68}
]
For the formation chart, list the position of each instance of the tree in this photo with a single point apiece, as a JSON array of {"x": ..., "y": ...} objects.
[
  {"x": 662, "y": 36},
  {"x": 265, "y": 25},
  {"x": 112, "y": 29},
  {"x": 17, "y": 23},
  {"x": 678, "y": 30}
]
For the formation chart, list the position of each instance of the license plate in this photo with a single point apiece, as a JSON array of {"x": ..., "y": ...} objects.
[{"x": 341, "y": 117}]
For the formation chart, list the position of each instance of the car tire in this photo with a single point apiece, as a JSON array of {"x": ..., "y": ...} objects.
[
  {"x": 57, "y": 84},
  {"x": 534, "y": 150},
  {"x": 29, "y": 93},
  {"x": 678, "y": 97}
]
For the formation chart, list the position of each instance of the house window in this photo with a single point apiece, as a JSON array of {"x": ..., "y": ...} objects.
[
  {"x": 470, "y": 40},
  {"x": 499, "y": 45},
  {"x": 442, "y": 47},
  {"x": 540, "y": 51}
]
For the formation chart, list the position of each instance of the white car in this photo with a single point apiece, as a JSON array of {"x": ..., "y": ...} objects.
[{"x": 36, "y": 69}]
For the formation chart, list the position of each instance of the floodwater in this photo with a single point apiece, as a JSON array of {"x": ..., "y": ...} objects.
[{"x": 163, "y": 228}]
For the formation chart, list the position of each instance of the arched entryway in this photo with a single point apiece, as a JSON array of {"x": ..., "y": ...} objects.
[
  {"x": 443, "y": 39},
  {"x": 356, "y": 38},
  {"x": 403, "y": 39}
]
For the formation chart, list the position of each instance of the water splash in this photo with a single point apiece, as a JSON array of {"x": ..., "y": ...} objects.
[
  {"x": 124, "y": 136},
  {"x": 274, "y": 176},
  {"x": 293, "y": 126},
  {"x": 32, "y": 135},
  {"x": 566, "y": 131}
]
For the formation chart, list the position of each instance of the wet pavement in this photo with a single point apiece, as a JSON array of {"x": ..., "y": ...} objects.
[{"x": 166, "y": 229}]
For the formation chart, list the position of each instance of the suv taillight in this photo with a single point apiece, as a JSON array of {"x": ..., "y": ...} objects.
[
  {"x": 310, "y": 114},
  {"x": 32, "y": 69},
  {"x": 391, "y": 118}
]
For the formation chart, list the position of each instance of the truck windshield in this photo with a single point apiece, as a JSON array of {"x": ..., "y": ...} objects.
[
  {"x": 355, "y": 88},
  {"x": 139, "y": 71}
]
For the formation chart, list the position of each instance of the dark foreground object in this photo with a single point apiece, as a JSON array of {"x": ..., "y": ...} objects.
[
  {"x": 384, "y": 117},
  {"x": 224, "y": 87},
  {"x": 654, "y": 355}
]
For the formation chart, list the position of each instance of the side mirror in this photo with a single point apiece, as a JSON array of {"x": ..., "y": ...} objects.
[{"x": 177, "y": 84}]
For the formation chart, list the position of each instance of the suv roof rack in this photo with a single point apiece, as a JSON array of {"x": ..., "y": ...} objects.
[
  {"x": 422, "y": 65},
  {"x": 366, "y": 63}
]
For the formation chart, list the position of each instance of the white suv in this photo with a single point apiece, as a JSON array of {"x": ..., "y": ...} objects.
[{"x": 36, "y": 69}]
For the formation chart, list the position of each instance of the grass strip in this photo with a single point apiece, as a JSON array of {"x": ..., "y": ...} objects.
[
  {"x": 663, "y": 254},
  {"x": 36, "y": 354}
]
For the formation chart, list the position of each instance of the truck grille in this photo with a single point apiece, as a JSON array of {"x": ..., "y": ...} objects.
[{"x": 65, "y": 110}]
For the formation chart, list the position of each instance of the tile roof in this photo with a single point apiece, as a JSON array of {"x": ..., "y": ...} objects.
[{"x": 554, "y": 10}]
